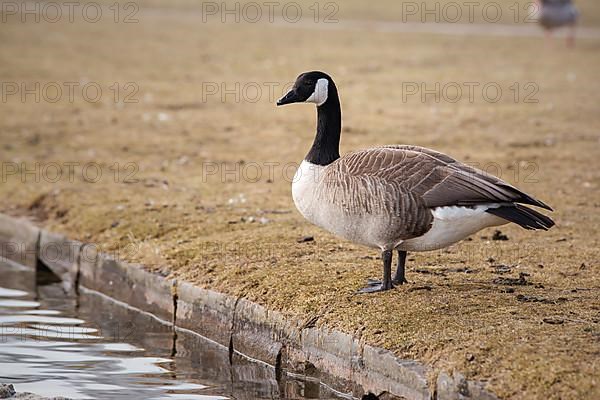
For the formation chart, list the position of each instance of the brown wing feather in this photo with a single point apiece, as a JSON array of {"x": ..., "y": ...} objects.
[
  {"x": 433, "y": 178},
  {"x": 358, "y": 184}
]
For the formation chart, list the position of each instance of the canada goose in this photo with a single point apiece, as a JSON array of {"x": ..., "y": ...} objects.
[
  {"x": 399, "y": 197},
  {"x": 555, "y": 14}
]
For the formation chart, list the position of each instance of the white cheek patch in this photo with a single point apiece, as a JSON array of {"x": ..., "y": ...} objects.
[{"x": 319, "y": 96}]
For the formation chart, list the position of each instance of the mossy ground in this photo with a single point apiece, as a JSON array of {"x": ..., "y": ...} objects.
[{"x": 192, "y": 209}]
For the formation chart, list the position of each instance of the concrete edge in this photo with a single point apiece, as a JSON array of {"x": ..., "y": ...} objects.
[
  {"x": 337, "y": 358},
  {"x": 128, "y": 283},
  {"x": 60, "y": 255},
  {"x": 19, "y": 240}
]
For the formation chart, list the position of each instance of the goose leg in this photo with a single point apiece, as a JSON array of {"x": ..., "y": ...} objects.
[
  {"x": 373, "y": 287},
  {"x": 399, "y": 279}
]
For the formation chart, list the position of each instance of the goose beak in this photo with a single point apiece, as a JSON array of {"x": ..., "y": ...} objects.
[{"x": 290, "y": 97}]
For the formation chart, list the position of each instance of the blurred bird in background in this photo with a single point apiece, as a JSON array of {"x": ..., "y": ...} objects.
[{"x": 554, "y": 14}]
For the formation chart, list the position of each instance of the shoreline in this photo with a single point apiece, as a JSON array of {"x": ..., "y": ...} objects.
[{"x": 344, "y": 362}]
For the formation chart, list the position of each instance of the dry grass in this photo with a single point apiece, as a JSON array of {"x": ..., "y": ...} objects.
[{"x": 456, "y": 313}]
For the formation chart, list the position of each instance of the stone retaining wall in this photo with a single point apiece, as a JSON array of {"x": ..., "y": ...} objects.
[{"x": 336, "y": 358}]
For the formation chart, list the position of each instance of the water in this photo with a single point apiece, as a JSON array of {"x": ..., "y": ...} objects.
[{"x": 90, "y": 347}]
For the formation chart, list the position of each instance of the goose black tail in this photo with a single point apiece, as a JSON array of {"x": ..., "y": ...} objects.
[{"x": 523, "y": 216}]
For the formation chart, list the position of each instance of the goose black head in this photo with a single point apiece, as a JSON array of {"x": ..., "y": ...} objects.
[{"x": 310, "y": 87}]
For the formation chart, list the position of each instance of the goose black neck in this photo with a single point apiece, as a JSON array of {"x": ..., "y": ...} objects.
[{"x": 326, "y": 147}]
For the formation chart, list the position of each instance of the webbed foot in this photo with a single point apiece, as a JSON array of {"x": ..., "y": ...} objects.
[{"x": 374, "y": 287}]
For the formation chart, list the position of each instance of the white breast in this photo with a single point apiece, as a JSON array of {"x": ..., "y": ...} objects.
[
  {"x": 452, "y": 224},
  {"x": 304, "y": 189},
  {"x": 317, "y": 207}
]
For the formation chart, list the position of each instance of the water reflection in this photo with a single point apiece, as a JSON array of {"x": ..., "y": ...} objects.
[
  {"x": 91, "y": 348},
  {"x": 53, "y": 346}
]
